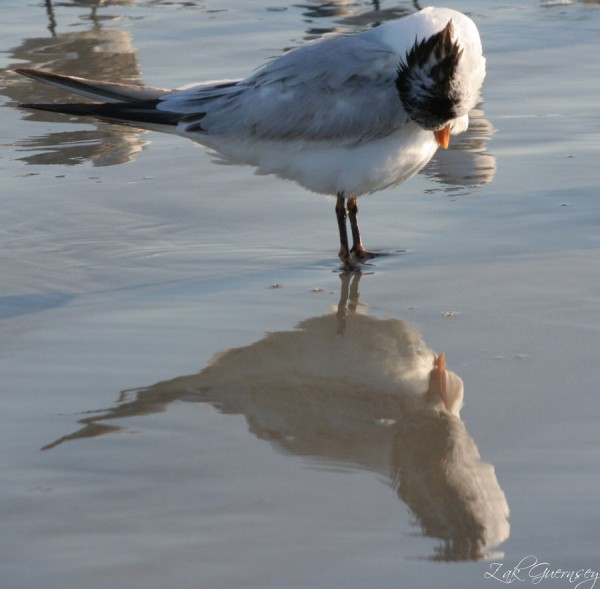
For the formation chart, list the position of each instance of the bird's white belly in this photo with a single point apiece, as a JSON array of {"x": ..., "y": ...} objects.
[{"x": 328, "y": 168}]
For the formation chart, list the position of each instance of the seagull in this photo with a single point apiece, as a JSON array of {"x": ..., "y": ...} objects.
[{"x": 345, "y": 115}]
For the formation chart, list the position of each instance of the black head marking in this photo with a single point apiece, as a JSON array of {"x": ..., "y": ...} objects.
[{"x": 426, "y": 80}]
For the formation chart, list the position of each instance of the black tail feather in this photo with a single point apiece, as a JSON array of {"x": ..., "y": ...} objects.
[{"x": 128, "y": 112}]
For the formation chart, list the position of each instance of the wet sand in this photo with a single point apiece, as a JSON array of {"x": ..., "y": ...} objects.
[{"x": 142, "y": 450}]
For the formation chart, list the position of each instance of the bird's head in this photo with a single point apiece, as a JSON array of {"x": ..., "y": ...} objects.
[{"x": 437, "y": 84}]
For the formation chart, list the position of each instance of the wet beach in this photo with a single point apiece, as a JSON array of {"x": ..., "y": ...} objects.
[{"x": 195, "y": 395}]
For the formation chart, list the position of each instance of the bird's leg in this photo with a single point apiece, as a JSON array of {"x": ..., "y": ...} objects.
[
  {"x": 358, "y": 250},
  {"x": 340, "y": 213}
]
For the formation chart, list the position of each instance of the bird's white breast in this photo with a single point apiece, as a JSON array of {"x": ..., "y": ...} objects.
[{"x": 327, "y": 167}]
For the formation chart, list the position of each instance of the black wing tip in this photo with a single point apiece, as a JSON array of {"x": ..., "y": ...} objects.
[
  {"x": 143, "y": 112},
  {"x": 29, "y": 71},
  {"x": 65, "y": 109},
  {"x": 33, "y": 73},
  {"x": 42, "y": 75}
]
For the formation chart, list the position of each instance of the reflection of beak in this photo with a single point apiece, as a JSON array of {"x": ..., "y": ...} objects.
[
  {"x": 437, "y": 380},
  {"x": 443, "y": 136}
]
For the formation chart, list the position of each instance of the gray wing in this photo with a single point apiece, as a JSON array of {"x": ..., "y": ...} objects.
[{"x": 339, "y": 88}]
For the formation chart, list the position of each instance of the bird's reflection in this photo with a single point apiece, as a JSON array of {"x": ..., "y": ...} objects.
[
  {"x": 96, "y": 52},
  {"x": 348, "y": 16},
  {"x": 353, "y": 390},
  {"x": 466, "y": 162}
]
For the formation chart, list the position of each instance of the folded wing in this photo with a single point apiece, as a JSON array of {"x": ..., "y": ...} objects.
[{"x": 339, "y": 88}]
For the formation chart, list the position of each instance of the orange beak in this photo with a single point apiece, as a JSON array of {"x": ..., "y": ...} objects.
[
  {"x": 437, "y": 380},
  {"x": 443, "y": 136}
]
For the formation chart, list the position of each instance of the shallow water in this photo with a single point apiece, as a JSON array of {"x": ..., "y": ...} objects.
[{"x": 129, "y": 260}]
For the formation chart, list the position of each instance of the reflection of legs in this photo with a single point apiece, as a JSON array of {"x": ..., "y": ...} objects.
[
  {"x": 358, "y": 249},
  {"x": 354, "y": 294},
  {"x": 348, "y": 298},
  {"x": 342, "y": 312}
]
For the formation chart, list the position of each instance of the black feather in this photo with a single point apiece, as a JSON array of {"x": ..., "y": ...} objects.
[
  {"x": 426, "y": 80},
  {"x": 127, "y": 112}
]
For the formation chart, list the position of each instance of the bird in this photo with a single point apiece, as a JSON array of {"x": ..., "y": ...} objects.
[{"x": 345, "y": 115}]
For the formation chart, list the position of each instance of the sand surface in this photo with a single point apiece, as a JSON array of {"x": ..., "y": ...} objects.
[{"x": 140, "y": 451}]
